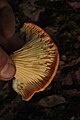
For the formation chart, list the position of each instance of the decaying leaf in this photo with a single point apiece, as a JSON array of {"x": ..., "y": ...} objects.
[
  {"x": 74, "y": 5},
  {"x": 51, "y": 101}
]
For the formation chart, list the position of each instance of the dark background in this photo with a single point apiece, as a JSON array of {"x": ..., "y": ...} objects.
[{"x": 61, "y": 100}]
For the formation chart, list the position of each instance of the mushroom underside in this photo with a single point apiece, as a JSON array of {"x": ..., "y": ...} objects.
[{"x": 36, "y": 62}]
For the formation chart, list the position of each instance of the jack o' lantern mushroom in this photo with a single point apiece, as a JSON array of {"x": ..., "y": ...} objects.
[{"x": 36, "y": 62}]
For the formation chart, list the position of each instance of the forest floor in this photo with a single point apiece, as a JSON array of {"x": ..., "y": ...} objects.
[{"x": 61, "y": 100}]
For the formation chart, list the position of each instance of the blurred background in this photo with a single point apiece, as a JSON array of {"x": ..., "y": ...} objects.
[{"x": 61, "y": 100}]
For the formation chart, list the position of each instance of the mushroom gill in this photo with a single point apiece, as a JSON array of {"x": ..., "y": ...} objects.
[{"x": 36, "y": 62}]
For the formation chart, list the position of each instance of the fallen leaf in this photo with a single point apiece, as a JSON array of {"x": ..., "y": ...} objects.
[
  {"x": 51, "y": 101},
  {"x": 31, "y": 11},
  {"x": 74, "y": 5}
]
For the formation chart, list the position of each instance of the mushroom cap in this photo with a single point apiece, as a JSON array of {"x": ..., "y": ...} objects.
[{"x": 36, "y": 62}]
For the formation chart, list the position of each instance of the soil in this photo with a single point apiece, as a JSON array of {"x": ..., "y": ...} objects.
[{"x": 61, "y": 100}]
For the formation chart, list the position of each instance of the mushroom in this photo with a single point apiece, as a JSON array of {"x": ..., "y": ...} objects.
[{"x": 36, "y": 62}]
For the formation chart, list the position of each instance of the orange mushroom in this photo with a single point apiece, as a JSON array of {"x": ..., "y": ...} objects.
[{"x": 36, "y": 62}]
